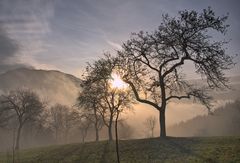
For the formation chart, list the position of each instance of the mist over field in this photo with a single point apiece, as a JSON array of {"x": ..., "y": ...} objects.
[
  {"x": 183, "y": 118},
  {"x": 119, "y": 81}
]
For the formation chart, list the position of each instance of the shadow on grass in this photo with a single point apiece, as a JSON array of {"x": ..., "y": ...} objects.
[{"x": 179, "y": 144}]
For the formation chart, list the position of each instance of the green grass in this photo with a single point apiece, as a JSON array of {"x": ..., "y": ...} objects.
[{"x": 209, "y": 149}]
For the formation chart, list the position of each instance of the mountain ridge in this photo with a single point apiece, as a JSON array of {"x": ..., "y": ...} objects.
[
  {"x": 223, "y": 121},
  {"x": 56, "y": 85}
]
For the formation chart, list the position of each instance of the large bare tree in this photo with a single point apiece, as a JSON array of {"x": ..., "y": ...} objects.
[
  {"x": 25, "y": 106},
  {"x": 152, "y": 62}
]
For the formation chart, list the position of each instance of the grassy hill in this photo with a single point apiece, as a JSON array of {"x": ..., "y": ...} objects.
[{"x": 211, "y": 149}]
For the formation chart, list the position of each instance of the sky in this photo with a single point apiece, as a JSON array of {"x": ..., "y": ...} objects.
[{"x": 65, "y": 34}]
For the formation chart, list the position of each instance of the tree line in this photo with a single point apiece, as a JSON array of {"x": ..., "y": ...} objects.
[{"x": 25, "y": 115}]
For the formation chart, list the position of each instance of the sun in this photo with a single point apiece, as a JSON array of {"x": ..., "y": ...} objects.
[{"x": 116, "y": 82}]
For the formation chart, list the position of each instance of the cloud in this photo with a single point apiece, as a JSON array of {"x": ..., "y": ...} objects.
[
  {"x": 114, "y": 45},
  {"x": 24, "y": 16},
  {"x": 62, "y": 33},
  {"x": 28, "y": 23},
  {"x": 8, "y": 47},
  {"x": 8, "y": 50},
  {"x": 8, "y": 67}
]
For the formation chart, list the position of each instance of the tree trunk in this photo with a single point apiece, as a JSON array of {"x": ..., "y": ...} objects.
[
  {"x": 162, "y": 123},
  {"x": 96, "y": 124},
  {"x": 97, "y": 134},
  {"x": 66, "y": 137},
  {"x": 116, "y": 132},
  {"x": 56, "y": 136},
  {"x": 18, "y": 137},
  {"x": 162, "y": 109},
  {"x": 110, "y": 138},
  {"x": 13, "y": 147},
  {"x": 83, "y": 139},
  {"x": 84, "y": 134}
]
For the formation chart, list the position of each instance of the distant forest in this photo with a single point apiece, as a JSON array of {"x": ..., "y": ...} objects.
[{"x": 224, "y": 121}]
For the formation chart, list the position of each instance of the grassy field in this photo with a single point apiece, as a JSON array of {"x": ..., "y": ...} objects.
[{"x": 212, "y": 149}]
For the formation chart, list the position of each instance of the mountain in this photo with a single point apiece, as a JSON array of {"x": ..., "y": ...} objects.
[
  {"x": 53, "y": 86},
  {"x": 223, "y": 122}
]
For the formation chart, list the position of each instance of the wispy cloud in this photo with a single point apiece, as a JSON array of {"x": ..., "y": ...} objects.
[
  {"x": 115, "y": 45},
  {"x": 64, "y": 34},
  {"x": 27, "y": 22}
]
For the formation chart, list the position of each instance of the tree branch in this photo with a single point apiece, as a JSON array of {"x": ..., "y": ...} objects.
[
  {"x": 138, "y": 97},
  {"x": 178, "y": 97},
  {"x": 181, "y": 62}
]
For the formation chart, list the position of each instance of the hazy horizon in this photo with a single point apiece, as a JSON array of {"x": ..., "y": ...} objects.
[{"x": 168, "y": 79}]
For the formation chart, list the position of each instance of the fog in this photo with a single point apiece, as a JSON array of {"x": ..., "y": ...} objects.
[
  {"x": 52, "y": 86},
  {"x": 223, "y": 122},
  {"x": 182, "y": 117}
]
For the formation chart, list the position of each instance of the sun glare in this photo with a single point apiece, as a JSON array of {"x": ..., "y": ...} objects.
[{"x": 116, "y": 82}]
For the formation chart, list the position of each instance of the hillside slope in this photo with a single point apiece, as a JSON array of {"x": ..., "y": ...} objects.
[
  {"x": 54, "y": 86},
  {"x": 223, "y": 122},
  {"x": 213, "y": 149}
]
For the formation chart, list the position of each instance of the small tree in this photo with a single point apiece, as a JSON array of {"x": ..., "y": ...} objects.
[
  {"x": 111, "y": 96},
  {"x": 88, "y": 103},
  {"x": 109, "y": 100},
  {"x": 25, "y": 106},
  {"x": 150, "y": 125},
  {"x": 152, "y": 62},
  {"x": 62, "y": 119},
  {"x": 84, "y": 126},
  {"x": 5, "y": 113}
]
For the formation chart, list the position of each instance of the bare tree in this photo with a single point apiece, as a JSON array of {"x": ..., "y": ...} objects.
[
  {"x": 150, "y": 124},
  {"x": 56, "y": 114},
  {"x": 71, "y": 120},
  {"x": 63, "y": 119},
  {"x": 5, "y": 113},
  {"x": 88, "y": 103},
  {"x": 84, "y": 126},
  {"x": 110, "y": 101},
  {"x": 152, "y": 62},
  {"x": 110, "y": 97},
  {"x": 25, "y": 106}
]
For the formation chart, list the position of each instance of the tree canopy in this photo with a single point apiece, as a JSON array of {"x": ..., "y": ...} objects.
[
  {"x": 100, "y": 95},
  {"x": 152, "y": 62}
]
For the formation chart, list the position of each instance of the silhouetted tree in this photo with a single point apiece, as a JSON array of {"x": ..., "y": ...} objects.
[
  {"x": 62, "y": 119},
  {"x": 25, "y": 106},
  {"x": 150, "y": 124},
  {"x": 110, "y": 101},
  {"x": 84, "y": 126},
  {"x": 88, "y": 102},
  {"x": 5, "y": 113},
  {"x": 152, "y": 62},
  {"x": 72, "y": 118}
]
